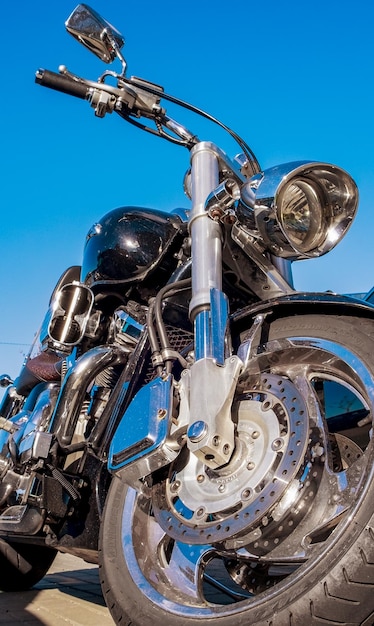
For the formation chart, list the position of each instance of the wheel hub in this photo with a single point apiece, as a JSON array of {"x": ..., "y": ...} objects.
[{"x": 259, "y": 485}]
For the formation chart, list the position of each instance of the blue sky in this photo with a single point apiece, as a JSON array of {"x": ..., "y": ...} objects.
[{"x": 294, "y": 79}]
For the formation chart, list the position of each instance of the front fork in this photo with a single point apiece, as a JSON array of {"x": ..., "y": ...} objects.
[{"x": 212, "y": 377}]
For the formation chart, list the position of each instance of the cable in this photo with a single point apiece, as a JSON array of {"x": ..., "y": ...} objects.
[
  {"x": 160, "y": 343},
  {"x": 159, "y": 132},
  {"x": 255, "y": 165},
  {"x": 12, "y": 343}
]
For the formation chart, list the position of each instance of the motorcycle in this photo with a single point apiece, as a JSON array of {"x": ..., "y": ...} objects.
[{"x": 188, "y": 420}]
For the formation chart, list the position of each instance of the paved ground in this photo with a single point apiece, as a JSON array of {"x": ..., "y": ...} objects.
[{"x": 69, "y": 595}]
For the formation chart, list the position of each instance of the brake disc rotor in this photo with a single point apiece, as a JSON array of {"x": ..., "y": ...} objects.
[{"x": 275, "y": 456}]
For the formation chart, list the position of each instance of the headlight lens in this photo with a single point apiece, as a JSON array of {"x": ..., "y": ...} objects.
[{"x": 301, "y": 215}]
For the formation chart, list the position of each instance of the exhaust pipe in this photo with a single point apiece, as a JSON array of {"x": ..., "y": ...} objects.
[{"x": 73, "y": 391}]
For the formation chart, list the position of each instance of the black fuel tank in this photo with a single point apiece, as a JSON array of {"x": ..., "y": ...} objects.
[{"x": 127, "y": 245}]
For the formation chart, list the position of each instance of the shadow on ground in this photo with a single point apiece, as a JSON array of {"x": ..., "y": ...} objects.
[{"x": 69, "y": 593}]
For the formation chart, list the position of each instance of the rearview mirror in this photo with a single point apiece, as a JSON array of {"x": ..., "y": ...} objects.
[{"x": 90, "y": 29}]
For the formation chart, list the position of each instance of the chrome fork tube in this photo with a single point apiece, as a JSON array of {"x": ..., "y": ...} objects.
[
  {"x": 206, "y": 244},
  {"x": 212, "y": 378}
]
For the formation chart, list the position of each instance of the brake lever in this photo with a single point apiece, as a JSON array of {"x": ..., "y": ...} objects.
[{"x": 131, "y": 96}]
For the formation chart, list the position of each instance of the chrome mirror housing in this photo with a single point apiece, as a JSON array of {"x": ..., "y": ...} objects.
[
  {"x": 301, "y": 210},
  {"x": 94, "y": 32}
]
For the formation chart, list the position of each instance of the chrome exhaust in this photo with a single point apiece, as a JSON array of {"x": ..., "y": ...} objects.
[{"x": 73, "y": 391}]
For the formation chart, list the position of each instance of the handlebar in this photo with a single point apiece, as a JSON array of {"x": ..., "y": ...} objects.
[
  {"x": 63, "y": 83},
  {"x": 133, "y": 99}
]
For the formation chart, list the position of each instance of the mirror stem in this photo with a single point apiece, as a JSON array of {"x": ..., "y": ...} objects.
[{"x": 117, "y": 50}]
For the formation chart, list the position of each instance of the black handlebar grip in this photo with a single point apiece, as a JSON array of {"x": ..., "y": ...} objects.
[{"x": 59, "y": 82}]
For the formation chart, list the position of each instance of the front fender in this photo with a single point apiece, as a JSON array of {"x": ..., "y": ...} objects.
[{"x": 300, "y": 303}]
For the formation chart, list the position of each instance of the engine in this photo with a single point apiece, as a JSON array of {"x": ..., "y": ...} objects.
[{"x": 53, "y": 406}]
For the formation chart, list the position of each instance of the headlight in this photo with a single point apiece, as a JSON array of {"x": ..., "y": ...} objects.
[{"x": 302, "y": 209}]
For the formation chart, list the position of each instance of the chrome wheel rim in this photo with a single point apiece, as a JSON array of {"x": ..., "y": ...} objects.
[{"x": 194, "y": 568}]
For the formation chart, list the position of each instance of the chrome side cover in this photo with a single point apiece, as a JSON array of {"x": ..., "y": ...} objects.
[{"x": 140, "y": 444}]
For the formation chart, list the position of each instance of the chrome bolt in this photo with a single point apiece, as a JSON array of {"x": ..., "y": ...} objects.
[
  {"x": 255, "y": 434},
  {"x": 246, "y": 494},
  {"x": 266, "y": 405},
  {"x": 175, "y": 486},
  {"x": 277, "y": 444},
  {"x": 197, "y": 431}
]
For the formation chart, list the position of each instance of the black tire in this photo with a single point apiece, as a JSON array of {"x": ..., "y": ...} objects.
[
  {"x": 335, "y": 584},
  {"x": 23, "y": 565}
]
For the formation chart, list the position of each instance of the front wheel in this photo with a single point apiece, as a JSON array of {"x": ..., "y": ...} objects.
[{"x": 284, "y": 533}]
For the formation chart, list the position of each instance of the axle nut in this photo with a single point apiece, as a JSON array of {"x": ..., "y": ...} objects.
[{"x": 197, "y": 431}]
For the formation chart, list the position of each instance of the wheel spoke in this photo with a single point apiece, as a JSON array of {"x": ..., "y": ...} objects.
[
  {"x": 184, "y": 568},
  {"x": 159, "y": 559}
]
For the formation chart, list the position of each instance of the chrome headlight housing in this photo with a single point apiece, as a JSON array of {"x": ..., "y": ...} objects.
[{"x": 301, "y": 210}]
